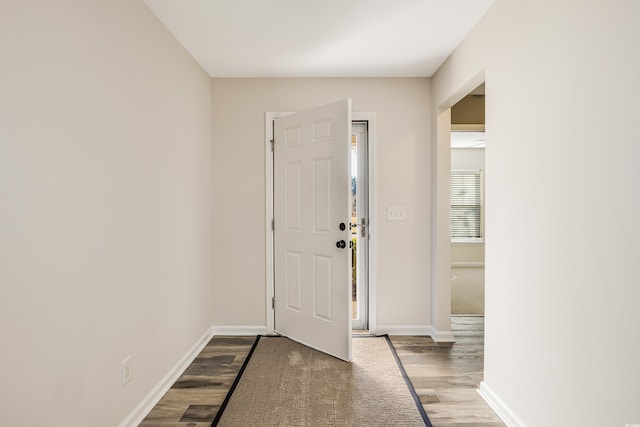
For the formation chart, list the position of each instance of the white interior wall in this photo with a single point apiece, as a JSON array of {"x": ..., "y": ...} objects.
[
  {"x": 402, "y": 179},
  {"x": 467, "y": 158},
  {"x": 105, "y": 192},
  {"x": 561, "y": 297}
]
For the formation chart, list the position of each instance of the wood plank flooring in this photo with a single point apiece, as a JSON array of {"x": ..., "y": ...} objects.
[
  {"x": 194, "y": 400},
  {"x": 445, "y": 377}
]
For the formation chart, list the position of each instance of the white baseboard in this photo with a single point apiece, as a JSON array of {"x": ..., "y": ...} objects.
[
  {"x": 153, "y": 397},
  {"x": 500, "y": 407},
  {"x": 441, "y": 336},
  {"x": 417, "y": 330},
  {"x": 239, "y": 330},
  {"x": 467, "y": 264}
]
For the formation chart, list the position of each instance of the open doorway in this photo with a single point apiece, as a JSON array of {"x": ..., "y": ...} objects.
[
  {"x": 360, "y": 223},
  {"x": 468, "y": 204}
]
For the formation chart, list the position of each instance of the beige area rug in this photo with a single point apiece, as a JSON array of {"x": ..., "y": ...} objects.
[{"x": 288, "y": 384}]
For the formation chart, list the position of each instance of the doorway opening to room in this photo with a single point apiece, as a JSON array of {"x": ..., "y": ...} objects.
[
  {"x": 468, "y": 204},
  {"x": 466, "y": 191}
]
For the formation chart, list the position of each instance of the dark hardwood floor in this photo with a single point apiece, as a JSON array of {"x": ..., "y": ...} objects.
[
  {"x": 445, "y": 377},
  {"x": 194, "y": 400}
]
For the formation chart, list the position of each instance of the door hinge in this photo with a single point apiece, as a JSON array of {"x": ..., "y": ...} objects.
[
  {"x": 273, "y": 224},
  {"x": 273, "y": 303},
  {"x": 273, "y": 143}
]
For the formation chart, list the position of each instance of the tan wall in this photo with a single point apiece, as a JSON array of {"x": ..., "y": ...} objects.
[
  {"x": 467, "y": 253},
  {"x": 105, "y": 215},
  {"x": 401, "y": 178}
]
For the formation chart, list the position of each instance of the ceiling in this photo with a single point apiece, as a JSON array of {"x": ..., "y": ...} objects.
[
  {"x": 464, "y": 139},
  {"x": 319, "y": 38}
]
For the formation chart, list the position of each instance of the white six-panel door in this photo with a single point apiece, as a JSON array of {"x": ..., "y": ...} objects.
[{"x": 312, "y": 211}]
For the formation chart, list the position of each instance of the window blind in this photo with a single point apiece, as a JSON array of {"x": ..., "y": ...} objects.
[{"x": 466, "y": 204}]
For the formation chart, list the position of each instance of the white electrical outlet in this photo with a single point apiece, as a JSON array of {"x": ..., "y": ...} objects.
[
  {"x": 396, "y": 213},
  {"x": 127, "y": 373}
]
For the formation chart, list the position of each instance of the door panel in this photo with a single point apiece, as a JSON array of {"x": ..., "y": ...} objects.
[
  {"x": 322, "y": 196},
  {"x": 312, "y": 197},
  {"x": 293, "y": 280},
  {"x": 293, "y": 196}
]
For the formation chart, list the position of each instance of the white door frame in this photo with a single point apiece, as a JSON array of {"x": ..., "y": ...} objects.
[
  {"x": 269, "y": 260},
  {"x": 362, "y": 213}
]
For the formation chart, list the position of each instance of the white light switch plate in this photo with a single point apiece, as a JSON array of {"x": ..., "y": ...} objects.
[{"x": 396, "y": 213}]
